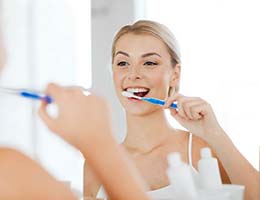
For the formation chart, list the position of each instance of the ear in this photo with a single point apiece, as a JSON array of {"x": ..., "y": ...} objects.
[{"x": 175, "y": 77}]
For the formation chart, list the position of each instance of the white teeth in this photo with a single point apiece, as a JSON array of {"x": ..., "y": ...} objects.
[{"x": 135, "y": 90}]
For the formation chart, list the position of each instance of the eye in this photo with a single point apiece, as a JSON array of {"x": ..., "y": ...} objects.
[
  {"x": 122, "y": 63},
  {"x": 150, "y": 63}
]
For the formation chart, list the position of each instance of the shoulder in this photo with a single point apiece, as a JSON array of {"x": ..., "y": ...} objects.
[
  {"x": 196, "y": 144},
  {"x": 12, "y": 159},
  {"x": 199, "y": 143},
  {"x": 180, "y": 134},
  {"x": 22, "y": 177},
  {"x": 11, "y": 155}
]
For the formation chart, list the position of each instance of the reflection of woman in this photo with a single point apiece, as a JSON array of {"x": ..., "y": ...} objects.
[
  {"x": 87, "y": 118},
  {"x": 146, "y": 62},
  {"x": 21, "y": 178}
]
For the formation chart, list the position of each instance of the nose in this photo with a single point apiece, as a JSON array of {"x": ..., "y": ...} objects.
[{"x": 134, "y": 73}]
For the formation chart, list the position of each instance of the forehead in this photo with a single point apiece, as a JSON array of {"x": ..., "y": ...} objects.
[{"x": 140, "y": 43}]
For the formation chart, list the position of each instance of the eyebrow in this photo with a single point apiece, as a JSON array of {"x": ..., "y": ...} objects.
[
  {"x": 150, "y": 54},
  {"x": 143, "y": 56},
  {"x": 124, "y": 53}
]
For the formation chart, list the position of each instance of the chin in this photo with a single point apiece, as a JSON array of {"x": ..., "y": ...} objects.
[
  {"x": 141, "y": 111},
  {"x": 137, "y": 113}
]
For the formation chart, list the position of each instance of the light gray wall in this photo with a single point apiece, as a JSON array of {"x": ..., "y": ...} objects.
[
  {"x": 107, "y": 17},
  {"x": 16, "y": 114},
  {"x": 40, "y": 42}
]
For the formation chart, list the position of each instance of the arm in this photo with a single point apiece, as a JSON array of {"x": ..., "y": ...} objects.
[
  {"x": 115, "y": 172},
  {"x": 239, "y": 170},
  {"x": 84, "y": 121},
  {"x": 223, "y": 173},
  {"x": 23, "y": 178},
  {"x": 91, "y": 183},
  {"x": 197, "y": 116}
]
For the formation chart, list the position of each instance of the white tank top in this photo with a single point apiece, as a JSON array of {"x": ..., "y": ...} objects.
[{"x": 164, "y": 192}]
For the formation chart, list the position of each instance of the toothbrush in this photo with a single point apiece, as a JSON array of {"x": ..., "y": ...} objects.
[
  {"x": 27, "y": 94},
  {"x": 150, "y": 100}
]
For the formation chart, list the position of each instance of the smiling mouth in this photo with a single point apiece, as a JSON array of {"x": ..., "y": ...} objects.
[{"x": 140, "y": 92}]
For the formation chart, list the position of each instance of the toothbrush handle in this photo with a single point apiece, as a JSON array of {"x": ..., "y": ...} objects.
[
  {"x": 159, "y": 102},
  {"x": 33, "y": 95}
]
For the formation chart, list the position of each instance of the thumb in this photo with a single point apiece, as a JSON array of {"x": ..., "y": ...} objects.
[
  {"x": 177, "y": 117},
  {"x": 45, "y": 116},
  {"x": 53, "y": 90}
]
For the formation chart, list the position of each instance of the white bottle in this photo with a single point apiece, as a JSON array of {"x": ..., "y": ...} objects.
[
  {"x": 180, "y": 177},
  {"x": 209, "y": 171}
]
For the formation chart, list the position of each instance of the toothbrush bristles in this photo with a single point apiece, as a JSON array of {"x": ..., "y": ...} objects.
[{"x": 130, "y": 95}]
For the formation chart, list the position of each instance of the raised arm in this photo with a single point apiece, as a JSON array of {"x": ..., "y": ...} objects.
[
  {"x": 84, "y": 121},
  {"x": 198, "y": 117},
  {"x": 91, "y": 183}
]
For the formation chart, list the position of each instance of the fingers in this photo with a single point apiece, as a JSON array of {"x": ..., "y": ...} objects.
[
  {"x": 192, "y": 108},
  {"x": 177, "y": 117},
  {"x": 68, "y": 101},
  {"x": 180, "y": 110},
  {"x": 170, "y": 100},
  {"x": 61, "y": 94},
  {"x": 57, "y": 93},
  {"x": 189, "y": 108},
  {"x": 54, "y": 91},
  {"x": 45, "y": 117}
]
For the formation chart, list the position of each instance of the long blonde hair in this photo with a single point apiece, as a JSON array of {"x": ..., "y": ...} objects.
[{"x": 154, "y": 29}]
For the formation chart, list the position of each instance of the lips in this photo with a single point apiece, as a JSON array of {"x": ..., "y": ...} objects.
[{"x": 138, "y": 91}]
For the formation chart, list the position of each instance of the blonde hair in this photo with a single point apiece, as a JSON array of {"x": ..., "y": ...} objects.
[{"x": 155, "y": 29}]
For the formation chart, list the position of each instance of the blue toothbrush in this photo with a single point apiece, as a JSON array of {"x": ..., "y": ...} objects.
[
  {"x": 27, "y": 94},
  {"x": 150, "y": 100}
]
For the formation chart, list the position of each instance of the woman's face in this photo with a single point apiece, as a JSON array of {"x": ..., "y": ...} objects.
[{"x": 142, "y": 65}]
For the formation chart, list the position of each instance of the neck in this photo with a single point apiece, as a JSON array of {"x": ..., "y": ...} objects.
[{"x": 144, "y": 133}]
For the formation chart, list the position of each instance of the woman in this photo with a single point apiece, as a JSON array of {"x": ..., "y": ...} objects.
[
  {"x": 146, "y": 62},
  {"x": 84, "y": 122},
  {"x": 21, "y": 178}
]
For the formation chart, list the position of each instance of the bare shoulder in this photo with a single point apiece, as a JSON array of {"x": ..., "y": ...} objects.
[
  {"x": 12, "y": 158},
  {"x": 8, "y": 151},
  {"x": 197, "y": 144},
  {"x": 177, "y": 134},
  {"x": 28, "y": 180}
]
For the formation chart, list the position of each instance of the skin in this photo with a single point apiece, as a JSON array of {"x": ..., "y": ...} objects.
[
  {"x": 23, "y": 179},
  {"x": 143, "y": 61},
  {"x": 91, "y": 133}
]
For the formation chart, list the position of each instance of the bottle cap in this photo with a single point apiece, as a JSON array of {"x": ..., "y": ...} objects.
[
  {"x": 174, "y": 159},
  {"x": 205, "y": 153}
]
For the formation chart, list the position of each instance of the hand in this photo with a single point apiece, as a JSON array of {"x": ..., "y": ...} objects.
[
  {"x": 85, "y": 123},
  {"x": 81, "y": 119},
  {"x": 196, "y": 115}
]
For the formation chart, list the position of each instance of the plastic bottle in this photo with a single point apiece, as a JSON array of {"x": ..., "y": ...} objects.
[
  {"x": 180, "y": 177},
  {"x": 209, "y": 171}
]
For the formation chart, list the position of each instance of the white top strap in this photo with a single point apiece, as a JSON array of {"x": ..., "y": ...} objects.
[{"x": 190, "y": 150}]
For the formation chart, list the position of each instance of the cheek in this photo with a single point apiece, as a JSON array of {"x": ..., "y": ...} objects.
[
  {"x": 160, "y": 84},
  {"x": 161, "y": 80},
  {"x": 117, "y": 79}
]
